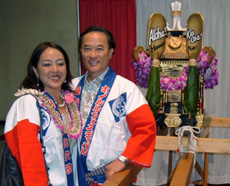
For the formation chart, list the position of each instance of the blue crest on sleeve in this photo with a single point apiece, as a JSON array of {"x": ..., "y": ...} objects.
[
  {"x": 118, "y": 106},
  {"x": 46, "y": 119}
]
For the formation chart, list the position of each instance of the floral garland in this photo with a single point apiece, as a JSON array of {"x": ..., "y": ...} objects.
[
  {"x": 142, "y": 69},
  {"x": 209, "y": 71},
  {"x": 174, "y": 83},
  {"x": 75, "y": 128}
]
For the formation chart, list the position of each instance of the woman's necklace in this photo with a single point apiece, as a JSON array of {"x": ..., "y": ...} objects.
[
  {"x": 63, "y": 101},
  {"x": 74, "y": 130}
]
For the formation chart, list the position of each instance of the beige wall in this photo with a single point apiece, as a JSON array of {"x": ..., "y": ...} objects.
[{"x": 23, "y": 25}]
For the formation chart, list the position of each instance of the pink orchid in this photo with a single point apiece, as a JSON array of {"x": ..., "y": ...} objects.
[{"x": 69, "y": 98}]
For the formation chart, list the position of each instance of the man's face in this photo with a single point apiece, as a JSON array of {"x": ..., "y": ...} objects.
[{"x": 95, "y": 53}]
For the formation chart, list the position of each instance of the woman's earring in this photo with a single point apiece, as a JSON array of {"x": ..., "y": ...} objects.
[
  {"x": 65, "y": 81},
  {"x": 37, "y": 82}
]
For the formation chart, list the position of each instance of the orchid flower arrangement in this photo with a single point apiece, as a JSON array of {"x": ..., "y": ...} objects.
[
  {"x": 142, "y": 69},
  {"x": 209, "y": 71},
  {"x": 176, "y": 83}
]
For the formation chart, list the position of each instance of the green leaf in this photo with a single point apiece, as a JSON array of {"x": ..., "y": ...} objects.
[
  {"x": 153, "y": 93},
  {"x": 191, "y": 95}
]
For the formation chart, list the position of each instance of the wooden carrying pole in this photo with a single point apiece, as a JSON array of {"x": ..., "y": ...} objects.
[
  {"x": 123, "y": 178},
  {"x": 208, "y": 145},
  {"x": 183, "y": 171}
]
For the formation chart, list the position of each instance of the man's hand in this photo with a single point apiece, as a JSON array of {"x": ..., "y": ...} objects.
[{"x": 115, "y": 166}]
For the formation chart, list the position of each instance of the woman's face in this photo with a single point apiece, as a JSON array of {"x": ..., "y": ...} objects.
[{"x": 51, "y": 69}]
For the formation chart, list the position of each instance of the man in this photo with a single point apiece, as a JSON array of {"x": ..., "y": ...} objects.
[{"x": 119, "y": 127}]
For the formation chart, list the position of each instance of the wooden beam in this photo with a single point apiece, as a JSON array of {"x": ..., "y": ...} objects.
[
  {"x": 209, "y": 145},
  {"x": 216, "y": 122},
  {"x": 200, "y": 170},
  {"x": 123, "y": 178},
  {"x": 166, "y": 143},
  {"x": 183, "y": 170}
]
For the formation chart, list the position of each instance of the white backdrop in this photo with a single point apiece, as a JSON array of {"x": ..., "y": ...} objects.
[{"x": 216, "y": 34}]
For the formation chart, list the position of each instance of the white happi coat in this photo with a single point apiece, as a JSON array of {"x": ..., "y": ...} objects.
[
  {"x": 131, "y": 134},
  {"x": 21, "y": 131}
]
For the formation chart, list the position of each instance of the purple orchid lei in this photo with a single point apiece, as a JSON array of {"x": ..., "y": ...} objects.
[
  {"x": 177, "y": 83},
  {"x": 142, "y": 69},
  {"x": 208, "y": 71}
]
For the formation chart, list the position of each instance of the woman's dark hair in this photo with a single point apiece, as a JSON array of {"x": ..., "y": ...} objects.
[
  {"x": 109, "y": 35},
  {"x": 31, "y": 80}
]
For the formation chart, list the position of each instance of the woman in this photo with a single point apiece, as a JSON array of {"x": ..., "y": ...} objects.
[{"x": 48, "y": 79}]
